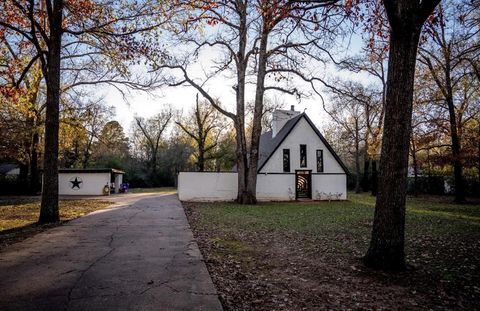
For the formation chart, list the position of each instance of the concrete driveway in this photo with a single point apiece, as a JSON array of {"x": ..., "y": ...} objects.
[{"x": 138, "y": 255}]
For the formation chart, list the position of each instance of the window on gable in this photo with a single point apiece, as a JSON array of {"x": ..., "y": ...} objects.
[
  {"x": 303, "y": 155},
  {"x": 286, "y": 160},
  {"x": 320, "y": 161}
]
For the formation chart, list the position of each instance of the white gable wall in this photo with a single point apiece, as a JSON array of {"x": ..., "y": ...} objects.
[{"x": 302, "y": 133}]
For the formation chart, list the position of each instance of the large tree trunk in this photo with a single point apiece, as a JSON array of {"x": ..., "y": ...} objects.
[
  {"x": 49, "y": 206},
  {"x": 454, "y": 127},
  {"x": 257, "y": 118},
  {"x": 388, "y": 235},
  {"x": 86, "y": 152},
  {"x": 201, "y": 156},
  {"x": 456, "y": 153},
  {"x": 476, "y": 189},
  {"x": 34, "y": 162},
  {"x": 415, "y": 167},
  {"x": 243, "y": 196},
  {"x": 357, "y": 158},
  {"x": 31, "y": 145},
  {"x": 366, "y": 171},
  {"x": 374, "y": 178}
]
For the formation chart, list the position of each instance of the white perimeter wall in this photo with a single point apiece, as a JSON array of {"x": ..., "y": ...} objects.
[
  {"x": 196, "y": 186},
  {"x": 92, "y": 184},
  {"x": 329, "y": 187},
  {"x": 206, "y": 186}
]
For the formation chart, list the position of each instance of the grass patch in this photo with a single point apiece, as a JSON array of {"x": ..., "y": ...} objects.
[
  {"x": 326, "y": 239},
  {"x": 165, "y": 190},
  {"x": 18, "y": 217}
]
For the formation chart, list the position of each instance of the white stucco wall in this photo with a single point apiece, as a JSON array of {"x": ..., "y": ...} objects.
[
  {"x": 275, "y": 187},
  {"x": 302, "y": 134},
  {"x": 272, "y": 183},
  {"x": 204, "y": 187},
  {"x": 198, "y": 186},
  {"x": 329, "y": 187},
  {"x": 92, "y": 183}
]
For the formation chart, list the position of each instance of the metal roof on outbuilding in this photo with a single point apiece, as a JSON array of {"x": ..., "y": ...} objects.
[{"x": 90, "y": 170}]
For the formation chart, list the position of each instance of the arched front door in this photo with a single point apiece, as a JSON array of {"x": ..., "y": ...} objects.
[{"x": 303, "y": 184}]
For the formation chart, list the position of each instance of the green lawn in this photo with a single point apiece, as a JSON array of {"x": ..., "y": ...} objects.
[
  {"x": 442, "y": 243},
  {"x": 166, "y": 190}
]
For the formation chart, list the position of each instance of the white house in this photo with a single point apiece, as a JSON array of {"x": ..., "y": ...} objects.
[
  {"x": 88, "y": 181},
  {"x": 9, "y": 170},
  {"x": 295, "y": 162}
]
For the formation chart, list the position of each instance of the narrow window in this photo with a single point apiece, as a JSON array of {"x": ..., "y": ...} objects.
[
  {"x": 286, "y": 160},
  {"x": 320, "y": 161},
  {"x": 303, "y": 155}
]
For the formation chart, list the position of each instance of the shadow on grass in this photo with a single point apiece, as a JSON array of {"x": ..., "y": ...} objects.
[{"x": 18, "y": 234}]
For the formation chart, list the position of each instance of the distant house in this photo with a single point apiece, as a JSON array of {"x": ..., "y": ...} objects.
[
  {"x": 295, "y": 162},
  {"x": 9, "y": 170}
]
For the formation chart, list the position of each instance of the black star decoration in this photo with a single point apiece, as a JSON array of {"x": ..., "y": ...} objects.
[{"x": 76, "y": 183}]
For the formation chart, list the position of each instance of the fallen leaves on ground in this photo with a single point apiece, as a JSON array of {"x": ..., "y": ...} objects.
[{"x": 257, "y": 264}]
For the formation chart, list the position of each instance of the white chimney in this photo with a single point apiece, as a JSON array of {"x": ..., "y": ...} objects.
[{"x": 281, "y": 117}]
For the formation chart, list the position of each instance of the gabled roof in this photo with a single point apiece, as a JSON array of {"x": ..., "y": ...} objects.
[{"x": 269, "y": 145}]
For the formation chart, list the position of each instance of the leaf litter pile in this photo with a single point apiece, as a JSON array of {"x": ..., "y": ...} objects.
[{"x": 307, "y": 256}]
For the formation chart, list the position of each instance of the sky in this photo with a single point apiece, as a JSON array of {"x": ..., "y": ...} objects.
[{"x": 183, "y": 97}]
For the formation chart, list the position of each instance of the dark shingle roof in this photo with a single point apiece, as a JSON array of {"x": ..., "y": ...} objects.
[{"x": 268, "y": 144}]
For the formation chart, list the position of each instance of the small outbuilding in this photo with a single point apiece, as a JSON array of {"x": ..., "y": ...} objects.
[{"x": 90, "y": 181}]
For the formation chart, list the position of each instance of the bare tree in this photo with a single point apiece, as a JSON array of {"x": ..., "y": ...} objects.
[
  {"x": 349, "y": 109},
  {"x": 373, "y": 62},
  {"x": 60, "y": 32},
  {"x": 93, "y": 117},
  {"x": 445, "y": 56},
  {"x": 150, "y": 133},
  {"x": 264, "y": 44},
  {"x": 204, "y": 125}
]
